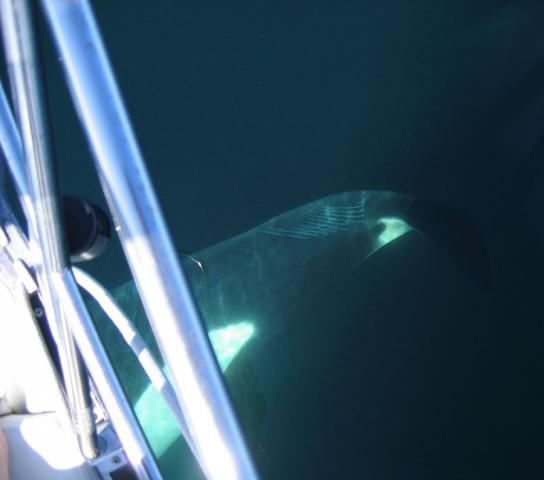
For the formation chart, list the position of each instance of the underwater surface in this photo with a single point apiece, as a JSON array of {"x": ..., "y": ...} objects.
[{"x": 401, "y": 366}]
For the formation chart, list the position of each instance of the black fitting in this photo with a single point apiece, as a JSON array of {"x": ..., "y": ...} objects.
[{"x": 88, "y": 228}]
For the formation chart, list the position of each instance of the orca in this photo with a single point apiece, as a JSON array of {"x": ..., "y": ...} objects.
[
  {"x": 267, "y": 271},
  {"x": 249, "y": 288}
]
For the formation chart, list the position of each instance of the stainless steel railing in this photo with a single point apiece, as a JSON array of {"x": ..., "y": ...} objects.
[
  {"x": 61, "y": 297},
  {"x": 162, "y": 286},
  {"x": 46, "y": 225},
  {"x": 184, "y": 345}
]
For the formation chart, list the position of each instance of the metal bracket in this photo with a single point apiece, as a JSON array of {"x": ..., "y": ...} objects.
[
  {"x": 15, "y": 258},
  {"x": 111, "y": 453}
]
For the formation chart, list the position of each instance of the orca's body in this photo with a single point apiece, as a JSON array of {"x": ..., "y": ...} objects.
[
  {"x": 250, "y": 287},
  {"x": 264, "y": 274}
]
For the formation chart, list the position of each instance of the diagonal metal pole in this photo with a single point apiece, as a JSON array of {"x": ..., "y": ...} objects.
[
  {"x": 184, "y": 345},
  {"x": 63, "y": 299},
  {"x": 23, "y": 70}
]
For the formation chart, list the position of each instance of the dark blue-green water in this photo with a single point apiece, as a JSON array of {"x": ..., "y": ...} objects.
[{"x": 404, "y": 369}]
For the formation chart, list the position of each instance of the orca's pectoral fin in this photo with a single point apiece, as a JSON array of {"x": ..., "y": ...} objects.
[{"x": 457, "y": 233}]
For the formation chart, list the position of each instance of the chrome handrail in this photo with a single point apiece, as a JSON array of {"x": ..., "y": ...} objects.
[
  {"x": 61, "y": 296},
  {"x": 47, "y": 223},
  {"x": 165, "y": 294},
  {"x": 10, "y": 141},
  {"x": 174, "y": 318}
]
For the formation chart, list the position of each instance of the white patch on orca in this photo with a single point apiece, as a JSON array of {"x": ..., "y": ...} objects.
[
  {"x": 393, "y": 229},
  {"x": 229, "y": 340},
  {"x": 151, "y": 409}
]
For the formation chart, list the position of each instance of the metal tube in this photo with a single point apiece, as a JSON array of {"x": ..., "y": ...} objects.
[
  {"x": 175, "y": 321},
  {"x": 23, "y": 70},
  {"x": 56, "y": 281},
  {"x": 107, "y": 383},
  {"x": 10, "y": 143},
  {"x": 136, "y": 343}
]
